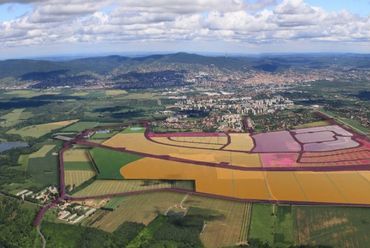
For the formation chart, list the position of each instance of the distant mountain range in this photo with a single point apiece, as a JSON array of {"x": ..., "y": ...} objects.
[{"x": 130, "y": 70}]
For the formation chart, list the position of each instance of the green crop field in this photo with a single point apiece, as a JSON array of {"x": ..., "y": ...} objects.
[
  {"x": 332, "y": 226},
  {"x": 262, "y": 223},
  {"x": 44, "y": 170},
  {"x": 80, "y": 126},
  {"x": 103, "y": 135},
  {"x": 109, "y": 162},
  {"x": 273, "y": 225},
  {"x": 134, "y": 130}
]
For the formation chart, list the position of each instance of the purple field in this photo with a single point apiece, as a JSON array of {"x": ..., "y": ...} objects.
[
  {"x": 333, "y": 128},
  {"x": 340, "y": 143},
  {"x": 315, "y": 137},
  {"x": 275, "y": 142}
]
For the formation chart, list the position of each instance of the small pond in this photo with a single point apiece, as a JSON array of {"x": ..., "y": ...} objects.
[{"x": 5, "y": 146}]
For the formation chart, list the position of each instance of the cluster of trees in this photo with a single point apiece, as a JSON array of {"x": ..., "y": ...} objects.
[
  {"x": 64, "y": 235},
  {"x": 16, "y": 230},
  {"x": 284, "y": 119},
  {"x": 16, "y": 224}
]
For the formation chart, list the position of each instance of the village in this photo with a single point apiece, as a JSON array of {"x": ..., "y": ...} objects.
[{"x": 66, "y": 211}]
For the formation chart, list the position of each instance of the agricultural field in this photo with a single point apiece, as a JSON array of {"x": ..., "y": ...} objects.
[
  {"x": 76, "y": 155},
  {"x": 203, "y": 145},
  {"x": 353, "y": 124},
  {"x": 262, "y": 223},
  {"x": 134, "y": 130},
  {"x": 79, "y": 165},
  {"x": 115, "y": 92},
  {"x": 43, "y": 171},
  {"x": 26, "y": 93},
  {"x": 14, "y": 117},
  {"x": 141, "y": 208},
  {"x": 103, "y": 187},
  {"x": 36, "y": 131},
  {"x": 103, "y": 136},
  {"x": 74, "y": 178},
  {"x": 313, "y": 124},
  {"x": 272, "y": 225},
  {"x": 231, "y": 225},
  {"x": 240, "y": 142},
  {"x": 23, "y": 161},
  {"x": 80, "y": 126},
  {"x": 114, "y": 202},
  {"x": 341, "y": 227},
  {"x": 138, "y": 142},
  {"x": 109, "y": 162},
  {"x": 45, "y": 149},
  {"x": 271, "y": 185}
]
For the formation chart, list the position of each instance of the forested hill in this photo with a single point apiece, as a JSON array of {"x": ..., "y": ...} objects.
[{"x": 161, "y": 70}]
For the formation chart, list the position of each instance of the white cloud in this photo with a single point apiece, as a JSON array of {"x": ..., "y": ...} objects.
[{"x": 250, "y": 22}]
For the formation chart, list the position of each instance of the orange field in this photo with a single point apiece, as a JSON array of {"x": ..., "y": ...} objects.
[
  {"x": 335, "y": 187},
  {"x": 351, "y": 187},
  {"x": 138, "y": 142}
]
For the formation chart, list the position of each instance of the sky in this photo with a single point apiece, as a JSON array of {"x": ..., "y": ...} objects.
[{"x": 40, "y": 28}]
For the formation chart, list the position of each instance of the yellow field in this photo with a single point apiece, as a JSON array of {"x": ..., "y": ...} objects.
[
  {"x": 165, "y": 140},
  {"x": 102, "y": 187},
  {"x": 228, "y": 230},
  {"x": 335, "y": 187},
  {"x": 42, "y": 151},
  {"x": 222, "y": 140},
  {"x": 138, "y": 142},
  {"x": 75, "y": 178},
  {"x": 37, "y": 131},
  {"x": 141, "y": 208},
  {"x": 76, "y": 155},
  {"x": 240, "y": 142}
]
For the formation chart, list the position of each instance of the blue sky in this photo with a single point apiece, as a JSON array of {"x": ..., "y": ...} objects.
[
  {"x": 13, "y": 10},
  {"x": 57, "y": 27},
  {"x": 360, "y": 7}
]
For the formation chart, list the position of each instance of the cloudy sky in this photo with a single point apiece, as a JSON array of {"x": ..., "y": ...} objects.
[{"x": 30, "y": 28}]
